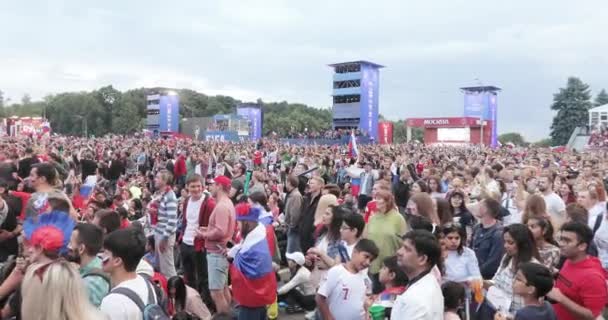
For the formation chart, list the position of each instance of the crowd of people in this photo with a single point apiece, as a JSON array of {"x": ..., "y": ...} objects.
[
  {"x": 139, "y": 228},
  {"x": 599, "y": 137}
]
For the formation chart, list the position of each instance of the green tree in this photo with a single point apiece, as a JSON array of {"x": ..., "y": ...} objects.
[
  {"x": 572, "y": 105},
  {"x": 2, "y": 111},
  {"x": 400, "y": 132},
  {"x": 601, "y": 98},
  {"x": 513, "y": 137},
  {"x": 544, "y": 143},
  {"x": 26, "y": 99}
]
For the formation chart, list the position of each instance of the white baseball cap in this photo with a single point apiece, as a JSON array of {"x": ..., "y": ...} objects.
[{"x": 297, "y": 257}]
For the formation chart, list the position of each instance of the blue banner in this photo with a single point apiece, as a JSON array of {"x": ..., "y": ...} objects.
[
  {"x": 169, "y": 113},
  {"x": 222, "y": 136},
  {"x": 493, "y": 117},
  {"x": 255, "y": 115},
  {"x": 369, "y": 100}
]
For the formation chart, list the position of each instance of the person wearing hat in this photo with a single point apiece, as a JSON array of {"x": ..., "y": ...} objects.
[
  {"x": 298, "y": 293},
  {"x": 217, "y": 234},
  {"x": 254, "y": 283}
]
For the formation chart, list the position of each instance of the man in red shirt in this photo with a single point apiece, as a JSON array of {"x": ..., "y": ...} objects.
[
  {"x": 219, "y": 231},
  {"x": 580, "y": 289}
]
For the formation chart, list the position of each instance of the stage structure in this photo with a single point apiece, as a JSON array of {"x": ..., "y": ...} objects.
[
  {"x": 162, "y": 111},
  {"x": 254, "y": 113},
  {"x": 480, "y": 102},
  {"x": 228, "y": 127},
  {"x": 355, "y": 96},
  {"x": 451, "y": 130}
]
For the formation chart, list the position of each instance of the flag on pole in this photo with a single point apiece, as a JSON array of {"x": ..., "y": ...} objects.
[{"x": 353, "y": 152}]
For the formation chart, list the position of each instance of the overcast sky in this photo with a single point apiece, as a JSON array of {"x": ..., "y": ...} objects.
[{"x": 279, "y": 50}]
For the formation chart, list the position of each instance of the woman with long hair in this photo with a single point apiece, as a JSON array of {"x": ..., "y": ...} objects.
[
  {"x": 434, "y": 184},
  {"x": 442, "y": 207},
  {"x": 183, "y": 298},
  {"x": 418, "y": 187},
  {"x": 460, "y": 213},
  {"x": 329, "y": 249},
  {"x": 566, "y": 192},
  {"x": 460, "y": 262},
  {"x": 421, "y": 204},
  {"x": 55, "y": 291},
  {"x": 548, "y": 250},
  {"x": 535, "y": 207},
  {"x": 385, "y": 228},
  {"x": 519, "y": 247}
]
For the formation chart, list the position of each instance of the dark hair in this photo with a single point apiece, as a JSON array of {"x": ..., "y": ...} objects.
[
  {"x": 180, "y": 292},
  {"x": 333, "y": 230},
  {"x": 59, "y": 204},
  {"x": 420, "y": 223},
  {"x": 493, "y": 207},
  {"x": 582, "y": 230},
  {"x": 127, "y": 244},
  {"x": 526, "y": 246},
  {"x": 355, "y": 221},
  {"x": 122, "y": 212},
  {"x": 108, "y": 220},
  {"x": 444, "y": 210},
  {"x": 426, "y": 244},
  {"x": 538, "y": 276},
  {"x": 366, "y": 245},
  {"x": 47, "y": 171},
  {"x": 463, "y": 207},
  {"x": 546, "y": 226},
  {"x": 151, "y": 241},
  {"x": 453, "y": 295},
  {"x": 260, "y": 198},
  {"x": 391, "y": 264},
  {"x": 91, "y": 236},
  {"x": 423, "y": 186},
  {"x": 456, "y": 228}
]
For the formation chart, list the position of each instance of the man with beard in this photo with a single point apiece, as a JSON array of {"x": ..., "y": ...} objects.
[
  {"x": 85, "y": 244},
  {"x": 555, "y": 205}
]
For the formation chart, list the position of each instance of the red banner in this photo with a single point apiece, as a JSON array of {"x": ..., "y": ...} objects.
[{"x": 385, "y": 132}]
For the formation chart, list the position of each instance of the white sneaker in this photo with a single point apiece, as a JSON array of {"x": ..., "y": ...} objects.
[{"x": 310, "y": 315}]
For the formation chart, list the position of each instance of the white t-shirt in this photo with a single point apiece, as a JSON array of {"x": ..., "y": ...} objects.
[
  {"x": 594, "y": 213},
  {"x": 555, "y": 206},
  {"x": 120, "y": 307},
  {"x": 192, "y": 212},
  {"x": 345, "y": 293},
  {"x": 422, "y": 301}
]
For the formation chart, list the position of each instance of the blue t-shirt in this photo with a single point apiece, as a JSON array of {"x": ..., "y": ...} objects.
[{"x": 542, "y": 312}]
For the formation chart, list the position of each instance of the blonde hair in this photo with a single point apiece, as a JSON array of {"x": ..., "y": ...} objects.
[{"x": 57, "y": 293}]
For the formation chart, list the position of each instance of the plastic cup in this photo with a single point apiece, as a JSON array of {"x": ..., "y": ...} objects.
[{"x": 377, "y": 312}]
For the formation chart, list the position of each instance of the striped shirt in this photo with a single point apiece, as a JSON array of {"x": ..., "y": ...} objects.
[
  {"x": 167, "y": 215},
  {"x": 97, "y": 287}
]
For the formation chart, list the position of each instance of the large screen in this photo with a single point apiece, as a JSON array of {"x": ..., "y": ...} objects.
[{"x": 453, "y": 134}]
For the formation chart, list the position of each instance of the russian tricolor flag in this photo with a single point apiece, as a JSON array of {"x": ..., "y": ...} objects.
[
  {"x": 254, "y": 283},
  {"x": 353, "y": 152}
]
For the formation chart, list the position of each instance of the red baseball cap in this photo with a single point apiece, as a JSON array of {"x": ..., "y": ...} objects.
[{"x": 222, "y": 181}]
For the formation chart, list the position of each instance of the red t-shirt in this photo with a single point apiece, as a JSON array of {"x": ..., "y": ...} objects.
[
  {"x": 370, "y": 210},
  {"x": 257, "y": 157},
  {"x": 584, "y": 283}
]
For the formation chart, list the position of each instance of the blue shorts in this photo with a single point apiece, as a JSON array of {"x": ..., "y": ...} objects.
[{"x": 217, "y": 270}]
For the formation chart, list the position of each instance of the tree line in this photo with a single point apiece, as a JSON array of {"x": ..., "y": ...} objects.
[{"x": 108, "y": 110}]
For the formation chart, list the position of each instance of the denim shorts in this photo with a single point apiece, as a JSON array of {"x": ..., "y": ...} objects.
[{"x": 217, "y": 270}]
